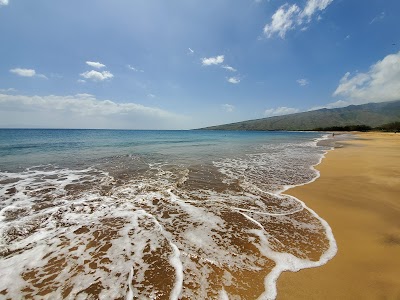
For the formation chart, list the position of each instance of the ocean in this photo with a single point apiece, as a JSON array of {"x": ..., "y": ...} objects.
[{"x": 120, "y": 214}]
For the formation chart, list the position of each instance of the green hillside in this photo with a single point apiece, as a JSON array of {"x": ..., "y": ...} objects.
[{"x": 371, "y": 114}]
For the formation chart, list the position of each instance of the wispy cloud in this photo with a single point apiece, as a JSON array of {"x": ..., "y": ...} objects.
[
  {"x": 3, "y": 2},
  {"x": 96, "y": 75},
  {"x": 288, "y": 17},
  {"x": 23, "y": 72},
  {"x": 303, "y": 82},
  {"x": 378, "y": 18},
  {"x": 9, "y": 90},
  {"x": 229, "y": 68},
  {"x": 228, "y": 108},
  {"x": 234, "y": 80},
  {"x": 95, "y": 64},
  {"x": 280, "y": 111},
  {"x": 134, "y": 69},
  {"x": 27, "y": 73},
  {"x": 216, "y": 60},
  {"x": 381, "y": 82},
  {"x": 340, "y": 103},
  {"x": 83, "y": 110}
]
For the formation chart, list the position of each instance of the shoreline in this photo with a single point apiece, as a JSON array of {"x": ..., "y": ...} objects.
[{"x": 355, "y": 193}]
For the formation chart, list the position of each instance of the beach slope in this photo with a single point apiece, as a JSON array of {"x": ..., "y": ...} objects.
[{"x": 358, "y": 194}]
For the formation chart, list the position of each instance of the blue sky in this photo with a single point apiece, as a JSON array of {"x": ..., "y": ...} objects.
[{"x": 182, "y": 64}]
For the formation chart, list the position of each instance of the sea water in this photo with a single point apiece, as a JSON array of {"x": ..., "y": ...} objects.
[{"x": 118, "y": 214}]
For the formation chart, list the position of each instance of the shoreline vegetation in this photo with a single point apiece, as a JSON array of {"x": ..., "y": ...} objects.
[
  {"x": 358, "y": 195},
  {"x": 390, "y": 127}
]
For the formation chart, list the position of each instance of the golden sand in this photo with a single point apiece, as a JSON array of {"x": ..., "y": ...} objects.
[{"x": 358, "y": 194}]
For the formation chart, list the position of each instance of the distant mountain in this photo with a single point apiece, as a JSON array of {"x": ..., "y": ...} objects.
[{"x": 371, "y": 114}]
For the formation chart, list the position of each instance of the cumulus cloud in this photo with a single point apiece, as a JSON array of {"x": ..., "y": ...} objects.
[
  {"x": 216, "y": 60},
  {"x": 229, "y": 68},
  {"x": 134, "y": 69},
  {"x": 95, "y": 64},
  {"x": 234, "y": 80},
  {"x": 303, "y": 82},
  {"x": 289, "y": 17},
  {"x": 84, "y": 111},
  {"x": 3, "y": 2},
  {"x": 97, "y": 76},
  {"x": 280, "y": 111},
  {"x": 381, "y": 83},
  {"x": 228, "y": 107}
]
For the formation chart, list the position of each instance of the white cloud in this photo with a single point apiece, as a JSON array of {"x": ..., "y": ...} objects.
[
  {"x": 3, "y": 2},
  {"x": 82, "y": 111},
  {"x": 303, "y": 82},
  {"x": 282, "y": 20},
  {"x": 288, "y": 17},
  {"x": 340, "y": 103},
  {"x": 95, "y": 64},
  {"x": 379, "y": 17},
  {"x": 96, "y": 75},
  {"x": 314, "y": 6},
  {"x": 23, "y": 72},
  {"x": 134, "y": 69},
  {"x": 229, "y": 68},
  {"x": 151, "y": 95},
  {"x": 234, "y": 80},
  {"x": 228, "y": 107},
  {"x": 27, "y": 73},
  {"x": 216, "y": 60},
  {"x": 381, "y": 83},
  {"x": 280, "y": 111},
  {"x": 9, "y": 90}
]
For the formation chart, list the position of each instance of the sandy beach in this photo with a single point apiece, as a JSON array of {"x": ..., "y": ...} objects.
[{"x": 358, "y": 194}]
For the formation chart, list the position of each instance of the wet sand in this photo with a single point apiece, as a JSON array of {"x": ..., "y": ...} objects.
[{"x": 358, "y": 194}]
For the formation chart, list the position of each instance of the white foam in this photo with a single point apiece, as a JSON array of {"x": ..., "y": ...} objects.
[
  {"x": 129, "y": 295},
  {"x": 193, "y": 226},
  {"x": 177, "y": 264},
  {"x": 223, "y": 295}
]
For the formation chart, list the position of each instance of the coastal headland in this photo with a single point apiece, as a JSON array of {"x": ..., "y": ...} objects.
[{"x": 358, "y": 194}]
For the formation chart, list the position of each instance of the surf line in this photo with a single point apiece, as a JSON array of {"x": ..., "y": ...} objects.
[{"x": 286, "y": 261}]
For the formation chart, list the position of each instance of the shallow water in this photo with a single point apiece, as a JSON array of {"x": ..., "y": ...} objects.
[{"x": 99, "y": 214}]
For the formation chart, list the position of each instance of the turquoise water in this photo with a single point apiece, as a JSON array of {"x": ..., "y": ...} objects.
[
  {"x": 118, "y": 214},
  {"x": 21, "y": 148}
]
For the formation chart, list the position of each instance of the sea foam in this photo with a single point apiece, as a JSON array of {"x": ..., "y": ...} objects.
[{"x": 222, "y": 229}]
